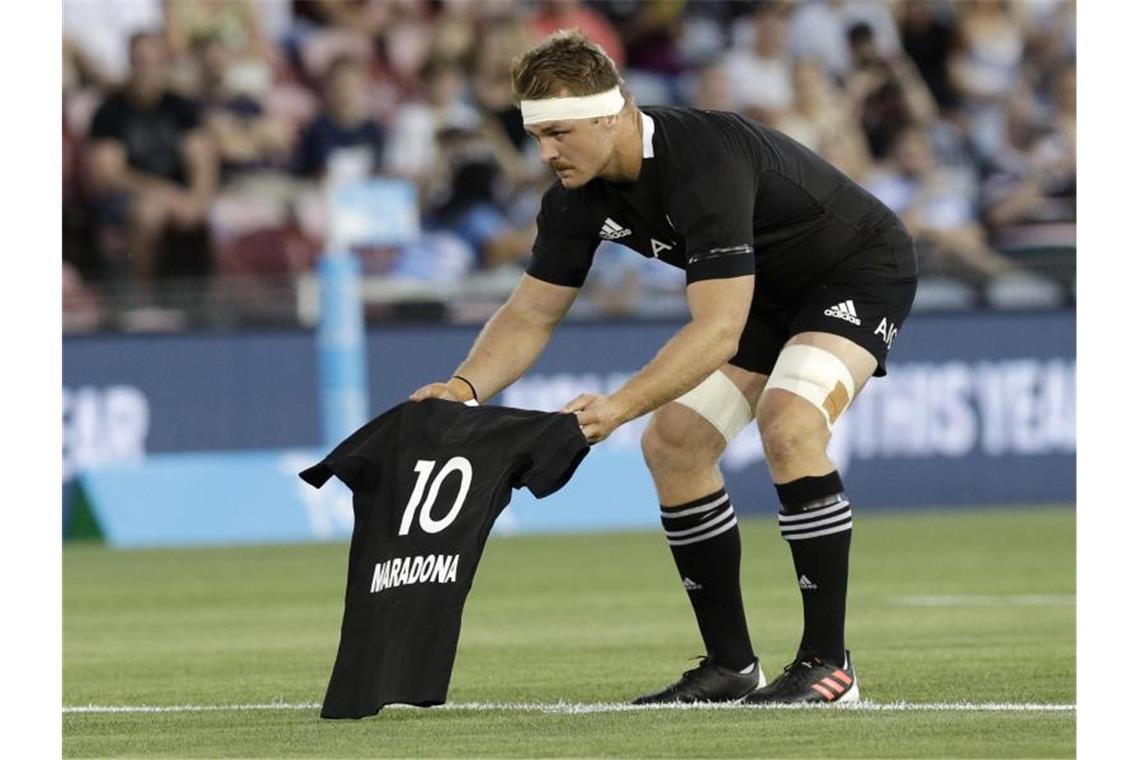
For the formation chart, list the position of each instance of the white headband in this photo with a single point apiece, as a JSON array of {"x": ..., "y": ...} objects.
[{"x": 605, "y": 103}]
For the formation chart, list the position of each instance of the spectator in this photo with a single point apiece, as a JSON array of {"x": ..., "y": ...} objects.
[
  {"x": 761, "y": 73},
  {"x": 472, "y": 209},
  {"x": 846, "y": 149},
  {"x": 97, "y": 34},
  {"x": 254, "y": 204},
  {"x": 712, "y": 88},
  {"x": 501, "y": 40},
  {"x": 412, "y": 151},
  {"x": 817, "y": 30},
  {"x": 153, "y": 167},
  {"x": 984, "y": 95},
  {"x": 246, "y": 137},
  {"x": 1034, "y": 179},
  {"x": 345, "y": 140},
  {"x": 887, "y": 92},
  {"x": 232, "y": 22},
  {"x": 985, "y": 68},
  {"x": 928, "y": 31},
  {"x": 820, "y": 108},
  {"x": 651, "y": 34},
  {"x": 407, "y": 39},
  {"x": 324, "y": 31},
  {"x": 78, "y": 248},
  {"x": 1050, "y": 45},
  {"x": 567, "y": 14},
  {"x": 937, "y": 205}
]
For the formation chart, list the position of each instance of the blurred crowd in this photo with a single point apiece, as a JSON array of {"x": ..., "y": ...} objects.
[{"x": 199, "y": 135}]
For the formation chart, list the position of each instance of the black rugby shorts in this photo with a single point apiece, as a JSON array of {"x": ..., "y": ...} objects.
[{"x": 865, "y": 298}]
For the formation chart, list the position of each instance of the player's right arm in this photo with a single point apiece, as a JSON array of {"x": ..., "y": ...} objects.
[{"x": 509, "y": 343}]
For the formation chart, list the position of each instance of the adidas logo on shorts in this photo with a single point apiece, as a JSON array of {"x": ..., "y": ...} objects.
[{"x": 844, "y": 310}]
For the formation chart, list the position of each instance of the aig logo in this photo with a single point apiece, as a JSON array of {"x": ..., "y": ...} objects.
[{"x": 887, "y": 331}]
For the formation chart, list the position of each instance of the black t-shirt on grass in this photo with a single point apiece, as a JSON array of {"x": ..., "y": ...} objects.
[{"x": 428, "y": 481}]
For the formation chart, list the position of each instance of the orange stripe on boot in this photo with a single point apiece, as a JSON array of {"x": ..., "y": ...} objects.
[
  {"x": 842, "y": 677},
  {"x": 832, "y": 685},
  {"x": 824, "y": 691}
]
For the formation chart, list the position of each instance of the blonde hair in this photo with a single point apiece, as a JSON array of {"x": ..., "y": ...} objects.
[{"x": 565, "y": 63}]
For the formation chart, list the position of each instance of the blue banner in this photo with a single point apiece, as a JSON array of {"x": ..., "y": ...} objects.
[
  {"x": 254, "y": 497},
  {"x": 977, "y": 409}
]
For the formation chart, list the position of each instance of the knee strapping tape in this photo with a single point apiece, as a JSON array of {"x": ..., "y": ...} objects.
[
  {"x": 817, "y": 376},
  {"x": 719, "y": 401}
]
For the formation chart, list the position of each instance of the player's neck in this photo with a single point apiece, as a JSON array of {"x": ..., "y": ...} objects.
[{"x": 624, "y": 165}]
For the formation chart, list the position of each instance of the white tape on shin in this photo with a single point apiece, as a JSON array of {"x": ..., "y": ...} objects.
[
  {"x": 719, "y": 401},
  {"x": 817, "y": 376}
]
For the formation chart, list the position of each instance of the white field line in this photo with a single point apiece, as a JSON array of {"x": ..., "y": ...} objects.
[
  {"x": 986, "y": 600},
  {"x": 572, "y": 708}
]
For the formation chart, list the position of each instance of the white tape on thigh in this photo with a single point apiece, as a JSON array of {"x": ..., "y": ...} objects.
[
  {"x": 719, "y": 401},
  {"x": 817, "y": 376}
]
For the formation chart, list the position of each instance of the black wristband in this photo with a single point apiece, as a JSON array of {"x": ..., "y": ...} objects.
[{"x": 474, "y": 393}]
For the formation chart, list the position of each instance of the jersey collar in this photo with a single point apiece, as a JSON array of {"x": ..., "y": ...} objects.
[{"x": 647, "y": 128}]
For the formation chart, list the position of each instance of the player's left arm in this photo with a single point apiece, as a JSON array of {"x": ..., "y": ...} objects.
[{"x": 719, "y": 309}]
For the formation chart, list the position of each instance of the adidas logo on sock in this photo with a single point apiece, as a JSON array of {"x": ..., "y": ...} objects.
[
  {"x": 690, "y": 585},
  {"x": 806, "y": 584},
  {"x": 611, "y": 230},
  {"x": 844, "y": 310}
]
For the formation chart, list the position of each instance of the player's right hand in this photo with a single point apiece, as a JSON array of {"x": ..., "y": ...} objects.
[{"x": 434, "y": 390}]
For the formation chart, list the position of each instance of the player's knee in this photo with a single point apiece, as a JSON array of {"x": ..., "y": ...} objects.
[
  {"x": 791, "y": 434},
  {"x": 674, "y": 441}
]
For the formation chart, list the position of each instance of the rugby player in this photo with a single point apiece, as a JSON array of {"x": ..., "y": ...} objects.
[{"x": 798, "y": 282}]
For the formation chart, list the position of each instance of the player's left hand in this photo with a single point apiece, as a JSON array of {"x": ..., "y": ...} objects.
[{"x": 598, "y": 415}]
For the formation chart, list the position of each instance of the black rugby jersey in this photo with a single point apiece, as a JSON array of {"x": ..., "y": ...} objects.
[
  {"x": 428, "y": 481},
  {"x": 721, "y": 196}
]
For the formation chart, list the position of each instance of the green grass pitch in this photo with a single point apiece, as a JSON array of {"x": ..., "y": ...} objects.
[{"x": 946, "y": 609}]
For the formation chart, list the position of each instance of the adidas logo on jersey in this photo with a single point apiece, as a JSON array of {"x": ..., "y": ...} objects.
[
  {"x": 844, "y": 310},
  {"x": 690, "y": 585},
  {"x": 611, "y": 230}
]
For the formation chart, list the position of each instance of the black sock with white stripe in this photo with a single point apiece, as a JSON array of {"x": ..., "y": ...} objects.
[
  {"x": 705, "y": 542},
  {"x": 815, "y": 520}
]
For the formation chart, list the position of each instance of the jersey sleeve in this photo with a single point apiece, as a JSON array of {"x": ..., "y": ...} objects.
[
  {"x": 356, "y": 460},
  {"x": 711, "y": 208},
  {"x": 551, "y": 450},
  {"x": 563, "y": 249},
  {"x": 354, "y": 471}
]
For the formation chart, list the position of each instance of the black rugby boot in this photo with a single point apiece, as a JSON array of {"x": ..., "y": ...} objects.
[
  {"x": 810, "y": 679},
  {"x": 708, "y": 682}
]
